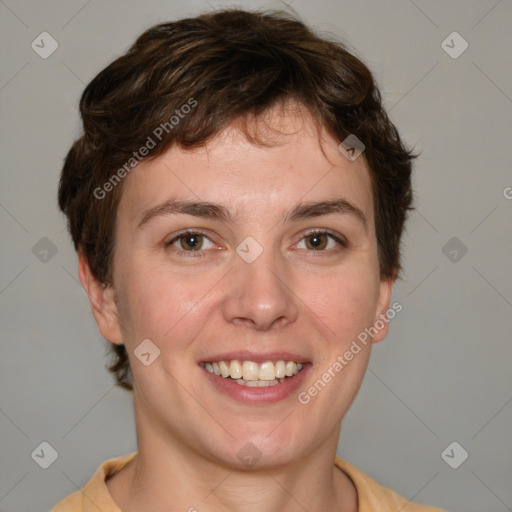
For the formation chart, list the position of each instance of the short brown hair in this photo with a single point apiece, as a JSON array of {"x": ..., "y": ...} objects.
[{"x": 225, "y": 65}]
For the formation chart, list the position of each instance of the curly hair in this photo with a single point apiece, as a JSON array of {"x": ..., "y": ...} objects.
[{"x": 219, "y": 68}]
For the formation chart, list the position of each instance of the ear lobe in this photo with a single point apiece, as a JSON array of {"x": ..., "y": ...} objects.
[
  {"x": 101, "y": 299},
  {"x": 386, "y": 287}
]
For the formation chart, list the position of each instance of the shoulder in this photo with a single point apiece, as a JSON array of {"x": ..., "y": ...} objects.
[
  {"x": 73, "y": 502},
  {"x": 95, "y": 493},
  {"x": 376, "y": 498}
]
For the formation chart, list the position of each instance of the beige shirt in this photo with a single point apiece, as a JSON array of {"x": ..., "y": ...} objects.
[{"x": 372, "y": 497}]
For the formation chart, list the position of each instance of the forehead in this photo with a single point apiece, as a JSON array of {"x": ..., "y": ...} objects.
[{"x": 293, "y": 159}]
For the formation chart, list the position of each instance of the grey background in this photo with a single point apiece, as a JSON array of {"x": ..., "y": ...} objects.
[{"x": 442, "y": 375}]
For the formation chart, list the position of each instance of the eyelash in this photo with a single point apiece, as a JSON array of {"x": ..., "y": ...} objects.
[
  {"x": 340, "y": 240},
  {"x": 190, "y": 254}
]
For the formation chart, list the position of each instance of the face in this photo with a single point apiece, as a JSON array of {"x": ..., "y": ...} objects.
[{"x": 255, "y": 259}]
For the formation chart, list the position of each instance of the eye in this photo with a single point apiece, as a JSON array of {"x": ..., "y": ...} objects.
[
  {"x": 321, "y": 240},
  {"x": 191, "y": 241}
]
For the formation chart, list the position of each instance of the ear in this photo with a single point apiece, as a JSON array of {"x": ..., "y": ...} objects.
[
  {"x": 101, "y": 299},
  {"x": 381, "y": 316}
]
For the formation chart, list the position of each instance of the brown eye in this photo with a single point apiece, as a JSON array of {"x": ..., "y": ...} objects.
[
  {"x": 191, "y": 241},
  {"x": 322, "y": 241},
  {"x": 317, "y": 241}
]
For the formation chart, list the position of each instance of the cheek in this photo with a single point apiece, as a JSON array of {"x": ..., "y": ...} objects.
[
  {"x": 345, "y": 301},
  {"x": 161, "y": 305},
  {"x": 346, "y": 306}
]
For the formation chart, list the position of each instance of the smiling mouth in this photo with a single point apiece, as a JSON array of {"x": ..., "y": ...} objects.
[{"x": 252, "y": 374}]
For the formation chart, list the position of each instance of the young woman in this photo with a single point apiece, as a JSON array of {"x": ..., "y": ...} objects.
[{"x": 237, "y": 200}]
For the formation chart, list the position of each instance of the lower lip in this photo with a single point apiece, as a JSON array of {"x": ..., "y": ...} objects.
[{"x": 265, "y": 395}]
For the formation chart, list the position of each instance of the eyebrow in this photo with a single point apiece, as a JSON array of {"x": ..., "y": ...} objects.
[
  {"x": 195, "y": 208},
  {"x": 318, "y": 208},
  {"x": 205, "y": 209}
]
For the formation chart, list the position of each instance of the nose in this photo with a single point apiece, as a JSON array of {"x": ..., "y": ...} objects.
[{"x": 259, "y": 296}]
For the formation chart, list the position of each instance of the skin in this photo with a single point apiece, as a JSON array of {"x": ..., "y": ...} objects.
[{"x": 291, "y": 298}]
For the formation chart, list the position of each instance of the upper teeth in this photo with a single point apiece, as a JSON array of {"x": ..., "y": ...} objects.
[{"x": 251, "y": 371}]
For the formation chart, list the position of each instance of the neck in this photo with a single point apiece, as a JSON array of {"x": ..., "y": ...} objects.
[{"x": 171, "y": 475}]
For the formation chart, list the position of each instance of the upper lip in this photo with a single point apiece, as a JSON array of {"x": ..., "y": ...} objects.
[{"x": 257, "y": 357}]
